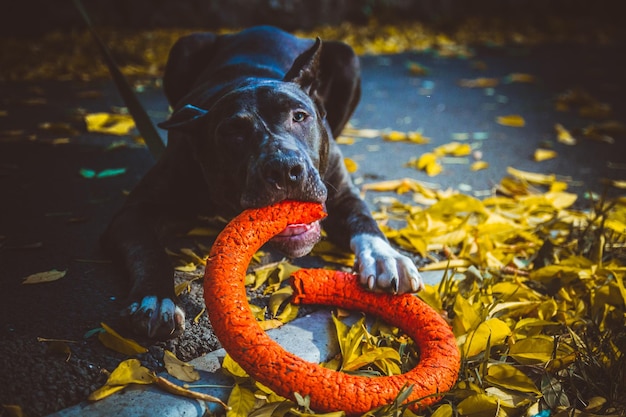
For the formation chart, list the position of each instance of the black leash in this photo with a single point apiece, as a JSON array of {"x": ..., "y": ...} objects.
[{"x": 143, "y": 122}]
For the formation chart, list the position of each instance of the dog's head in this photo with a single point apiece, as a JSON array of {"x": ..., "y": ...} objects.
[{"x": 263, "y": 141}]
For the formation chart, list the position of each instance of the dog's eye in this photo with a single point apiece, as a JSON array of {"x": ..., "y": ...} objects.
[{"x": 299, "y": 116}]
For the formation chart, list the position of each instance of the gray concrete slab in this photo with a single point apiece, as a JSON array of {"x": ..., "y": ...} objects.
[{"x": 311, "y": 338}]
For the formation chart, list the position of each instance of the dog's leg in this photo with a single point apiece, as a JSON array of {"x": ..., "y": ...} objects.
[
  {"x": 350, "y": 223},
  {"x": 131, "y": 238},
  {"x": 349, "y": 220}
]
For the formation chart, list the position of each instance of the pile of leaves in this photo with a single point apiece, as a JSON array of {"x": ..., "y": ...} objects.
[
  {"x": 73, "y": 55},
  {"x": 534, "y": 291},
  {"x": 532, "y": 287}
]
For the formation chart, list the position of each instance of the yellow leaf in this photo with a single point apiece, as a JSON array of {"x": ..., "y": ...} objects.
[
  {"x": 619, "y": 184},
  {"x": 270, "y": 324},
  {"x": 184, "y": 285},
  {"x": 491, "y": 332},
  {"x": 111, "y": 339},
  {"x": 417, "y": 137},
  {"x": 289, "y": 313},
  {"x": 544, "y": 154},
  {"x": 349, "y": 338},
  {"x": 188, "y": 267},
  {"x": 112, "y": 124},
  {"x": 466, "y": 315},
  {"x": 263, "y": 274},
  {"x": 479, "y": 165},
  {"x": 453, "y": 149},
  {"x": 563, "y": 135},
  {"x": 331, "y": 253},
  {"x": 345, "y": 140},
  {"x": 425, "y": 159},
  {"x": 394, "y": 136},
  {"x": 509, "y": 377},
  {"x": 431, "y": 296},
  {"x": 561, "y": 200},
  {"x": 532, "y": 350},
  {"x": 531, "y": 177},
  {"x": 442, "y": 265},
  {"x": 193, "y": 256},
  {"x": 179, "y": 369},
  {"x": 104, "y": 392},
  {"x": 434, "y": 168},
  {"x": 278, "y": 298},
  {"x": 444, "y": 410},
  {"x": 413, "y": 137},
  {"x": 47, "y": 276},
  {"x": 361, "y": 133},
  {"x": 233, "y": 368},
  {"x": 565, "y": 274},
  {"x": 241, "y": 402},
  {"x": 479, "y": 405},
  {"x": 351, "y": 165},
  {"x": 512, "y": 120},
  {"x": 557, "y": 186},
  {"x": 371, "y": 356},
  {"x": 127, "y": 372},
  {"x": 480, "y": 82}
]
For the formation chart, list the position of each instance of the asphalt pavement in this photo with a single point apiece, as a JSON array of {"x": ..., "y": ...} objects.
[{"x": 51, "y": 215}]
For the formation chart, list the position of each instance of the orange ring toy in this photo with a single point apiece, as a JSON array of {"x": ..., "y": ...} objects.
[{"x": 285, "y": 373}]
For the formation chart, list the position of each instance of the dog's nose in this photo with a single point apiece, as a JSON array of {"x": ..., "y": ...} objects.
[{"x": 284, "y": 172}]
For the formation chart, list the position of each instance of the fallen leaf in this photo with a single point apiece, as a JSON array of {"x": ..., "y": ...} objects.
[
  {"x": 179, "y": 369},
  {"x": 453, "y": 149},
  {"x": 563, "y": 135},
  {"x": 13, "y": 410},
  {"x": 619, "y": 184},
  {"x": 509, "y": 377},
  {"x": 127, "y": 372},
  {"x": 488, "y": 333},
  {"x": 413, "y": 137},
  {"x": 532, "y": 177},
  {"x": 351, "y": 165},
  {"x": 241, "y": 402},
  {"x": 479, "y": 165},
  {"x": 544, "y": 154},
  {"x": 512, "y": 120},
  {"x": 345, "y": 140},
  {"x": 481, "y": 82},
  {"x": 479, "y": 405},
  {"x": 113, "y": 340},
  {"x": 41, "y": 277},
  {"x": 361, "y": 133},
  {"x": 109, "y": 123}
]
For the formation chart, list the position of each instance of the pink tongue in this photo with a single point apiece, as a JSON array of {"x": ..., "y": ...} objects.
[{"x": 295, "y": 229}]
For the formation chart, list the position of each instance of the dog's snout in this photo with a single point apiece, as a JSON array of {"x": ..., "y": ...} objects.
[{"x": 284, "y": 172}]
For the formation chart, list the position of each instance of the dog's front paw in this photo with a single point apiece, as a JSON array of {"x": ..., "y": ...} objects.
[
  {"x": 381, "y": 267},
  {"x": 156, "y": 318}
]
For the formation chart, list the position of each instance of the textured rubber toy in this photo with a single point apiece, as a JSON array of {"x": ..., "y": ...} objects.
[{"x": 286, "y": 373}]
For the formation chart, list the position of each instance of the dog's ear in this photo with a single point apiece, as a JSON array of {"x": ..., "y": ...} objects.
[
  {"x": 305, "y": 69},
  {"x": 186, "y": 119}
]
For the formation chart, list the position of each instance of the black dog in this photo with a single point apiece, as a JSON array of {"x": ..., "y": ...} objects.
[{"x": 254, "y": 118}]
